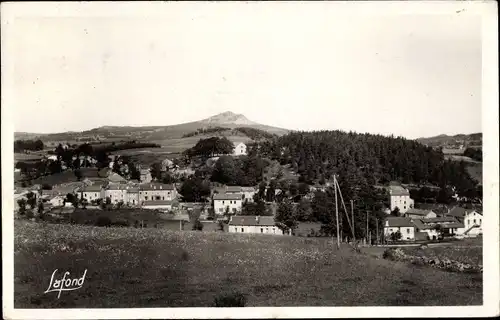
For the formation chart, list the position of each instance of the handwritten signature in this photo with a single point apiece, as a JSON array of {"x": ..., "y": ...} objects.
[{"x": 65, "y": 284}]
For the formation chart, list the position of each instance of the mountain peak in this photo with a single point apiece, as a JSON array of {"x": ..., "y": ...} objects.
[{"x": 228, "y": 117}]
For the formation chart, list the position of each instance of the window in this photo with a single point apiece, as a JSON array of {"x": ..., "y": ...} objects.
[
  {"x": 146, "y": 198},
  {"x": 479, "y": 221},
  {"x": 242, "y": 230},
  {"x": 408, "y": 230},
  {"x": 222, "y": 201},
  {"x": 261, "y": 230},
  {"x": 405, "y": 207},
  {"x": 474, "y": 221}
]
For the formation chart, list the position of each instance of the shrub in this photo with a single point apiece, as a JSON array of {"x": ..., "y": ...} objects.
[
  {"x": 198, "y": 226},
  {"x": 229, "y": 300},
  {"x": 103, "y": 222}
]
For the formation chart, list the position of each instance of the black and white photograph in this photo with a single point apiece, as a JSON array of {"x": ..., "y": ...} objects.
[{"x": 250, "y": 159}]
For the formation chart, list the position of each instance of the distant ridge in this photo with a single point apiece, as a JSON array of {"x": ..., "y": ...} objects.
[{"x": 226, "y": 119}]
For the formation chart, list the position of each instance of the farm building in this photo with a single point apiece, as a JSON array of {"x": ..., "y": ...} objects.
[
  {"x": 404, "y": 225},
  {"x": 420, "y": 213},
  {"x": 253, "y": 224}
]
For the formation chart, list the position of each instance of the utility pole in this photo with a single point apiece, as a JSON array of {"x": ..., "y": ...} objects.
[
  {"x": 366, "y": 226},
  {"x": 377, "y": 230},
  {"x": 337, "y": 214},
  {"x": 352, "y": 215}
]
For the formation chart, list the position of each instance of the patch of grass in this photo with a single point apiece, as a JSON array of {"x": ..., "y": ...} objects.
[{"x": 162, "y": 268}]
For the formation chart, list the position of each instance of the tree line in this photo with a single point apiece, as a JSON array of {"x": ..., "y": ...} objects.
[
  {"x": 28, "y": 145},
  {"x": 364, "y": 159}
]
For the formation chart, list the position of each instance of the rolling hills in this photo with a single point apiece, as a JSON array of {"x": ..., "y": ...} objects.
[{"x": 157, "y": 134}]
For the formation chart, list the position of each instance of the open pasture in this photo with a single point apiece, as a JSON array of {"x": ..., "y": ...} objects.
[{"x": 161, "y": 268}]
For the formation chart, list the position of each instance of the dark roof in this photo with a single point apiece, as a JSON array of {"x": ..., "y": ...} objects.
[
  {"x": 460, "y": 212},
  {"x": 156, "y": 186},
  {"x": 420, "y": 225},
  {"x": 227, "y": 196},
  {"x": 399, "y": 222},
  {"x": 439, "y": 219},
  {"x": 92, "y": 188},
  {"x": 233, "y": 189},
  {"x": 252, "y": 221}
]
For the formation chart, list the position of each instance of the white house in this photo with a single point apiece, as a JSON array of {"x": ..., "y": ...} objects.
[
  {"x": 240, "y": 149},
  {"x": 157, "y": 192},
  {"x": 254, "y": 224},
  {"x": 227, "y": 200},
  {"x": 145, "y": 175},
  {"x": 472, "y": 221},
  {"x": 401, "y": 224},
  {"x": 92, "y": 192},
  {"x": 57, "y": 201},
  {"x": 400, "y": 198},
  {"x": 116, "y": 193},
  {"x": 248, "y": 193},
  {"x": 133, "y": 196}
]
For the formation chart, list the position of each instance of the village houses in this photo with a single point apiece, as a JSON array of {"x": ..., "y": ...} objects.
[
  {"x": 254, "y": 224},
  {"x": 420, "y": 213},
  {"x": 400, "y": 198},
  {"x": 472, "y": 220},
  {"x": 404, "y": 225},
  {"x": 227, "y": 201},
  {"x": 92, "y": 193},
  {"x": 240, "y": 149}
]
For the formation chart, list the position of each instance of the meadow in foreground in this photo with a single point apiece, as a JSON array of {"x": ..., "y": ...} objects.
[{"x": 161, "y": 268}]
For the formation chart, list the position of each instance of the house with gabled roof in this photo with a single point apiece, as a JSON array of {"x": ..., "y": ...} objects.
[
  {"x": 254, "y": 224},
  {"x": 400, "y": 198},
  {"x": 231, "y": 202},
  {"x": 471, "y": 218},
  {"x": 239, "y": 149},
  {"x": 419, "y": 213},
  {"x": 402, "y": 224}
]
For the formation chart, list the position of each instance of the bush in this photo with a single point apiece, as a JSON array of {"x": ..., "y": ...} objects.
[
  {"x": 103, "y": 222},
  {"x": 229, "y": 300},
  {"x": 198, "y": 226}
]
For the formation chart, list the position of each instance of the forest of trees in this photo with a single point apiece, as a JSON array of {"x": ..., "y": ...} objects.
[
  {"x": 241, "y": 171},
  {"x": 362, "y": 160},
  {"x": 205, "y": 131},
  {"x": 474, "y": 153},
  {"x": 210, "y": 147},
  {"x": 255, "y": 134},
  {"x": 28, "y": 145}
]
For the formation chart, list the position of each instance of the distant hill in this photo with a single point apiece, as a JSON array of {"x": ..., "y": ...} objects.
[
  {"x": 456, "y": 141},
  {"x": 152, "y": 133}
]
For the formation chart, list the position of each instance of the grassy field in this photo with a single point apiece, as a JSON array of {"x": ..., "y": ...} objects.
[
  {"x": 161, "y": 268},
  {"x": 467, "y": 251}
]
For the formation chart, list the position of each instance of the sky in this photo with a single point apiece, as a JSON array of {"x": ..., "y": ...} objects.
[{"x": 298, "y": 67}]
